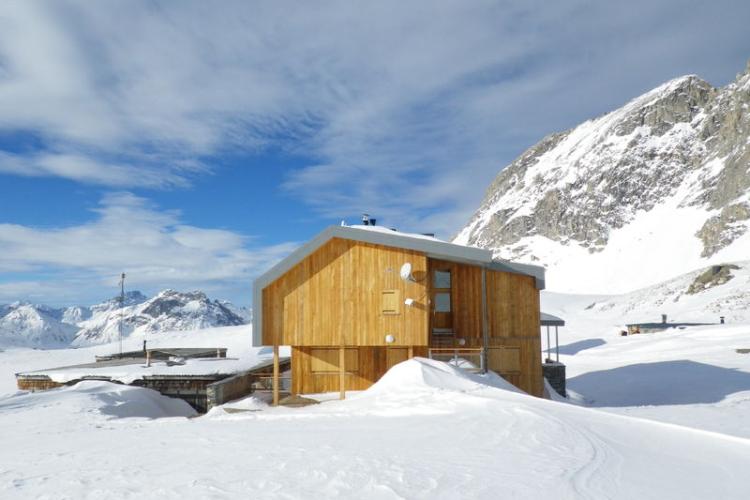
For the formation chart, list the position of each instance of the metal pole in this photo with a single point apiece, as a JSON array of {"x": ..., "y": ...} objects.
[
  {"x": 557, "y": 345},
  {"x": 122, "y": 305}
]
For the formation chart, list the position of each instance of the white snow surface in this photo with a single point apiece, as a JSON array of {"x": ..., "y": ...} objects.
[
  {"x": 425, "y": 430},
  {"x": 690, "y": 376},
  {"x": 387, "y": 230}
]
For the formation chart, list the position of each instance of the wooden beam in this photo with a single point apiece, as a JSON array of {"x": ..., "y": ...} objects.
[
  {"x": 342, "y": 373},
  {"x": 275, "y": 375},
  {"x": 485, "y": 322},
  {"x": 411, "y": 352}
]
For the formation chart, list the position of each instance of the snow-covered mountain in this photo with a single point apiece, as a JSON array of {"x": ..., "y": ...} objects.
[
  {"x": 657, "y": 188},
  {"x": 169, "y": 310},
  {"x": 24, "y": 324}
]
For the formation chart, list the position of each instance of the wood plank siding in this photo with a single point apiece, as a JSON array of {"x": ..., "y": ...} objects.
[
  {"x": 335, "y": 297},
  {"x": 372, "y": 363},
  {"x": 513, "y": 320},
  {"x": 349, "y": 294}
]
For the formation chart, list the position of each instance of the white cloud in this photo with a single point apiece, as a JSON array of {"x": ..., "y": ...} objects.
[
  {"x": 407, "y": 109},
  {"x": 128, "y": 234}
]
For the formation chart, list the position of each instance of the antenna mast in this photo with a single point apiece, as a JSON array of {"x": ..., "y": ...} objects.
[{"x": 122, "y": 305}]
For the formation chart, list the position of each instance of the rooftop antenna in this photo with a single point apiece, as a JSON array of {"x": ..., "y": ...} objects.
[{"x": 122, "y": 306}]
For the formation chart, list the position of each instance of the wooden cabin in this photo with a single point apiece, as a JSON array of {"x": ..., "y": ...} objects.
[{"x": 356, "y": 300}]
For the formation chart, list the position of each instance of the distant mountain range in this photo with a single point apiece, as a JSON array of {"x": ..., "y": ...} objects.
[
  {"x": 650, "y": 191},
  {"x": 34, "y": 325}
]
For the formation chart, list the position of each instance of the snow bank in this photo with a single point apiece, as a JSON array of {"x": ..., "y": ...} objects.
[
  {"x": 127, "y": 374},
  {"x": 419, "y": 374},
  {"x": 426, "y": 430},
  {"x": 237, "y": 340},
  {"x": 98, "y": 398}
]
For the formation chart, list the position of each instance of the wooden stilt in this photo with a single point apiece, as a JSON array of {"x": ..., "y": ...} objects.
[
  {"x": 342, "y": 373},
  {"x": 275, "y": 375}
]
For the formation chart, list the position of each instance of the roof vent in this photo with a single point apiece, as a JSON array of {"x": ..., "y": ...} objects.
[{"x": 367, "y": 220}]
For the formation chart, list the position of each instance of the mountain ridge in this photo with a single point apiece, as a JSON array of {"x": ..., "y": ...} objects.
[
  {"x": 583, "y": 200},
  {"x": 36, "y": 325}
]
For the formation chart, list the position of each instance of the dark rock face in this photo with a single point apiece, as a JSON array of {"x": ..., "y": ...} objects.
[
  {"x": 684, "y": 139},
  {"x": 721, "y": 230},
  {"x": 711, "y": 277}
]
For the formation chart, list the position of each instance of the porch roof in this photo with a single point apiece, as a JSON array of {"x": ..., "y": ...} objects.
[{"x": 546, "y": 319}]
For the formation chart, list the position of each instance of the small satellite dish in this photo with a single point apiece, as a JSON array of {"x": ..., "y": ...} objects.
[{"x": 406, "y": 272}]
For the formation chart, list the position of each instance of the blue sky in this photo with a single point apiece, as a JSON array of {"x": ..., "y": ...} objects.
[{"x": 193, "y": 145}]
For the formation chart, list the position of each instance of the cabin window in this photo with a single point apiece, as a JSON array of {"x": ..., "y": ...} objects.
[
  {"x": 442, "y": 279},
  {"x": 442, "y": 302},
  {"x": 327, "y": 360}
]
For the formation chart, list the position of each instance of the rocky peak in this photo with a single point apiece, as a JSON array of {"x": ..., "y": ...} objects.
[
  {"x": 685, "y": 145},
  {"x": 677, "y": 101},
  {"x": 36, "y": 325},
  {"x": 132, "y": 297}
]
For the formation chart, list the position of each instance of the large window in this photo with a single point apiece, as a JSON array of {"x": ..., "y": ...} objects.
[
  {"x": 442, "y": 302},
  {"x": 442, "y": 279}
]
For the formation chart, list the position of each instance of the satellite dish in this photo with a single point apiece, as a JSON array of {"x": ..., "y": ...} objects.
[{"x": 406, "y": 272}]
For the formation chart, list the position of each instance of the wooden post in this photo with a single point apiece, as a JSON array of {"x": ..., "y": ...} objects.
[
  {"x": 275, "y": 375},
  {"x": 485, "y": 325},
  {"x": 342, "y": 373},
  {"x": 411, "y": 352}
]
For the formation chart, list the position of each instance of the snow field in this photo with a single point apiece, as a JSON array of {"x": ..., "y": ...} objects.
[{"x": 426, "y": 431}]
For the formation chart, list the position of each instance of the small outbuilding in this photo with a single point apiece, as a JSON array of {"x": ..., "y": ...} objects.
[{"x": 356, "y": 300}]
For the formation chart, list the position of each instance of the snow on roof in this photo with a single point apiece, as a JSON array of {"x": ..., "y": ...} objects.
[
  {"x": 383, "y": 229},
  {"x": 129, "y": 370}
]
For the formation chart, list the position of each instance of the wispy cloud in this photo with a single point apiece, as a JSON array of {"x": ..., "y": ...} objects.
[
  {"x": 406, "y": 109},
  {"x": 128, "y": 233}
]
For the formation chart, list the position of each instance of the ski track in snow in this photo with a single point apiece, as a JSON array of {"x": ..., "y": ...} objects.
[{"x": 421, "y": 432}]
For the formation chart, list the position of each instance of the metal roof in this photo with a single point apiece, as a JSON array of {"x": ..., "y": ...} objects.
[
  {"x": 546, "y": 319},
  {"x": 378, "y": 235}
]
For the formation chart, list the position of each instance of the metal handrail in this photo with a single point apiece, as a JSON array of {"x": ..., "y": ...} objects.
[{"x": 458, "y": 353}]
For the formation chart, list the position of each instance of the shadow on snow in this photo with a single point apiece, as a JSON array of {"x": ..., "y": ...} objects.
[
  {"x": 665, "y": 383},
  {"x": 581, "y": 345}
]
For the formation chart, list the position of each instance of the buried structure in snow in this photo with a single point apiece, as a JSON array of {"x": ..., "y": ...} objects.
[{"x": 203, "y": 377}]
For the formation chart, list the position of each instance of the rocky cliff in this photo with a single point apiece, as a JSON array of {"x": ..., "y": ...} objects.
[{"x": 656, "y": 188}]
